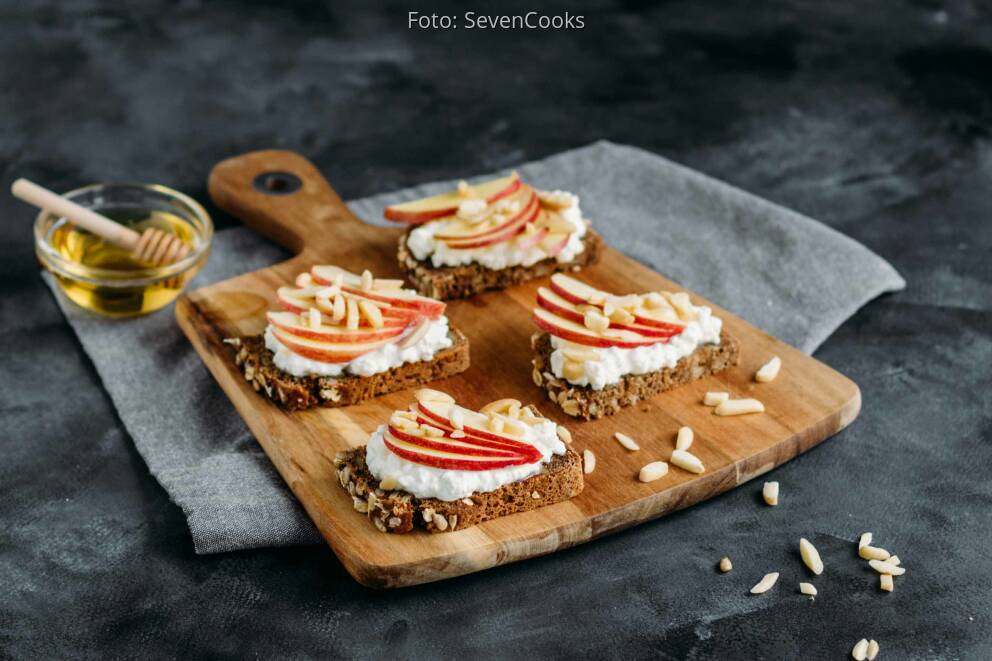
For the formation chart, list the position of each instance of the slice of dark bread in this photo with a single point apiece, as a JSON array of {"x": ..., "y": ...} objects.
[
  {"x": 451, "y": 282},
  {"x": 294, "y": 393},
  {"x": 586, "y": 403},
  {"x": 400, "y": 512}
]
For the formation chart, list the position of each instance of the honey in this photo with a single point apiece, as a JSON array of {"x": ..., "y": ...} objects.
[{"x": 107, "y": 279}]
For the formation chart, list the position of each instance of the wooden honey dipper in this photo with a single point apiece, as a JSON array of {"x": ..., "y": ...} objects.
[{"x": 153, "y": 246}]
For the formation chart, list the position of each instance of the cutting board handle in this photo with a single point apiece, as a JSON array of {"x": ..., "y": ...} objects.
[{"x": 282, "y": 196}]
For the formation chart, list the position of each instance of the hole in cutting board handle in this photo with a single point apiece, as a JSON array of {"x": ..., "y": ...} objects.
[{"x": 277, "y": 183}]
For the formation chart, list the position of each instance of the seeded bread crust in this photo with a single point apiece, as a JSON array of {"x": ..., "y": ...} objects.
[
  {"x": 451, "y": 282},
  {"x": 585, "y": 403},
  {"x": 295, "y": 393},
  {"x": 401, "y": 512}
]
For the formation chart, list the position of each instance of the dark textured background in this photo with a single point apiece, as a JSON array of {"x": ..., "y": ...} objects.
[{"x": 873, "y": 117}]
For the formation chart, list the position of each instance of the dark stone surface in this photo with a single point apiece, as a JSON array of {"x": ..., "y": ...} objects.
[{"x": 873, "y": 117}]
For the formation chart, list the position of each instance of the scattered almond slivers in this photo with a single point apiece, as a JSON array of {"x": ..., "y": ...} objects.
[
  {"x": 765, "y": 584},
  {"x": 894, "y": 560},
  {"x": 431, "y": 395},
  {"x": 739, "y": 407},
  {"x": 770, "y": 493},
  {"x": 886, "y": 568},
  {"x": 588, "y": 461},
  {"x": 367, "y": 280},
  {"x": 769, "y": 370},
  {"x": 864, "y": 540},
  {"x": 595, "y": 321},
  {"x": 860, "y": 650},
  {"x": 687, "y": 461},
  {"x": 653, "y": 471},
  {"x": 872, "y": 651},
  {"x": 314, "y": 317},
  {"x": 810, "y": 556},
  {"x": 715, "y": 398},
  {"x": 808, "y": 589},
  {"x": 725, "y": 565},
  {"x": 415, "y": 336},
  {"x": 683, "y": 441},
  {"x": 885, "y": 582},
  {"x": 352, "y": 314},
  {"x": 500, "y": 406},
  {"x": 564, "y": 435},
  {"x": 627, "y": 442}
]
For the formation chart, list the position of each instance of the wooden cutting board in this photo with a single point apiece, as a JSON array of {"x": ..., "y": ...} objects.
[{"x": 283, "y": 196}]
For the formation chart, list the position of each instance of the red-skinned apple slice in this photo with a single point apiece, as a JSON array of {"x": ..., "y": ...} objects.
[
  {"x": 447, "y": 460},
  {"x": 437, "y": 413},
  {"x": 575, "y": 291},
  {"x": 454, "y": 446},
  {"x": 579, "y": 334},
  {"x": 528, "y": 241},
  {"x": 290, "y": 323},
  {"x": 528, "y": 199},
  {"x": 507, "y": 232},
  {"x": 296, "y": 300},
  {"x": 446, "y": 204},
  {"x": 552, "y": 302},
  {"x": 554, "y": 243},
  {"x": 326, "y": 352},
  {"x": 646, "y": 318},
  {"x": 404, "y": 299}
]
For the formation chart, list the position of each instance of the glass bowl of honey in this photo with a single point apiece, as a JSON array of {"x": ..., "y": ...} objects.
[{"x": 107, "y": 279}]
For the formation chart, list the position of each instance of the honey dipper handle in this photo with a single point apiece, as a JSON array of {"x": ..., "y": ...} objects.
[{"x": 78, "y": 215}]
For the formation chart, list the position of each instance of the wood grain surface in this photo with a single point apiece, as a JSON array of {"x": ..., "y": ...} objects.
[{"x": 806, "y": 404}]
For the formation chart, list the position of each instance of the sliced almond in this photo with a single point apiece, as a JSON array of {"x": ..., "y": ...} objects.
[
  {"x": 440, "y": 522},
  {"x": 588, "y": 461},
  {"x": 595, "y": 321},
  {"x": 808, "y": 589},
  {"x": 810, "y": 556},
  {"x": 367, "y": 280},
  {"x": 680, "y": 301},
  {"x": 860, "y": 650},
  {"x": 715, "y": 398},
  {"x": 765, "y": 584},
  {"x": 872, "y": 651},
  {"x": 458, "y": 433},
  {"x": 457, "y": 418},
  {"x": 769, "y": 370},
  {"x": 885, "y": 582},
  {"x": 372, "y": 313},
  {"x": 495, "y": 424},
  {"x": 886, "y": 568},
  {"x": 573, "y": 371},
  {"x": 431, "y": 430},
  {"x": 627, "y": 442},
  {"x": 352, "y": 316},
  {"x": 770, "y": 493},
  {"x": 653, "y": 471},
  {"x": 739, "y": 407},
  {"x": 894, "y": 560},
  {"x": 564, "y": 435},
  {"x": 416, "y": 335},
  {"x": 499, "y": 406},
  {"x": 873, "y": 553},
  {"x": 340, "y": 308},
  {"x": 683, "y": 440},
  {"x": 313, "y": 316},
  {"x": 386, "y": 284},
  {"x": 621, "y": 316},
  {"x": 580, "y": 354},
  {"x": 864, "y": 540},
  {"x": 687, "y": 461},
  {"x": 725, "y": 565},
  {"x": 431, "y": 395},
  {"x": 654, "y": 300}
]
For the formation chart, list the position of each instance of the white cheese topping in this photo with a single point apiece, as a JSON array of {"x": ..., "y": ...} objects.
[
  {"x": 422, "y": 244},
  {"x": 443, "y": 484},
  {"x": 615, "y": 363},
  {"x": 385, "y": 357}
]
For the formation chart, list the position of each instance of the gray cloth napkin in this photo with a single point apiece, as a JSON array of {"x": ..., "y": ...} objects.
[{"x": 787, "y": 274}]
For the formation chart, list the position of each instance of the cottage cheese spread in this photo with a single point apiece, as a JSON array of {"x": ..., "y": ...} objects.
[
  {"x": 443, "y": 484},
  {"x": 422, "y": 244},
  {"x": 384, "y": 358},
  {"x": 615, "y": 363}
]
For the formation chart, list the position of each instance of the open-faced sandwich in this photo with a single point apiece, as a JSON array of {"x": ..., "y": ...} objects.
[
  {"x": 599, "y": 352},
  {"x": 491, "y": 236},
  {"x": 342, "y": 338},
  {"x": 441, "y": 467}
]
